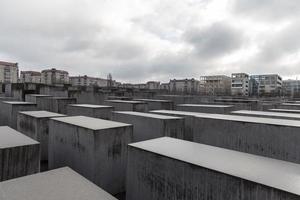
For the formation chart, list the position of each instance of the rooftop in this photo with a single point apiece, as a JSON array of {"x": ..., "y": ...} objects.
[
  {"x": 8, "y": 64},
  {"x": 206, "y": 105},
  {"x": 90, "y": 123},
  {"x": 150, "y": 115},
  {"x": 259, "y": 120},
  {"x": 62, "y": 183},
  {"x": 12, "y": 138},
  {"x": 90, "y": 106},
  {"x": 42, "y": 114},
  {"x": 270, "y": 172}
]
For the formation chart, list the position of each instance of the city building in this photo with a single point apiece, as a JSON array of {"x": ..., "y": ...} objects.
[
  {"x": 267, "y": 85},
  {"x": 30, "y": 77},
  {"x": 54, "y": 77},
  {"x": 215, "y": 85},
  {"x": 291, "y": 88},
  {"x": 240, "y": 84},
  {"x": 9, "y": 72},
  {"x": 164, "y": 86},
  {"x": 88, "y": 81},
  {"x": 184, "y": 86},
  {"x": 153, "y": 85}
]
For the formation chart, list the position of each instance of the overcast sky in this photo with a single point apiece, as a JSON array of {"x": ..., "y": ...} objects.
[{"x": 141, "y": 40}]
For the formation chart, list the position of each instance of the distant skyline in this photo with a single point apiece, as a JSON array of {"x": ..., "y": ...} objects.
[{"x": 138, "y": 40}]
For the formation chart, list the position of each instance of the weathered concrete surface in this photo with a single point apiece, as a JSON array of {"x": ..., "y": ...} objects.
[
  {"x": 35, "y": 124},
  {"x": 95, "y": 148},
  {"x": 167, "y": 169},
  {"x": 122, "y": 105},
  {"x": 291, "y": 106},
  {"x": 90, "y": 110},
  {"x": 158, "y": 104},
  {"x": 119, "y": 98},
  {"x": 59, "y": 184},
  {"x": 149, "y": 126},
  {"x": 285, "y": 110},
  {"x": 19, "y": 155},
  {"x": 9, "y": 111},
  {"x": 33, "y": 97},
  {"x": 205, "y": 108},
  {"x": 275, "y": 115},
  {"x": 55, "y": 104},
  {"x": 274, "y": 138}
]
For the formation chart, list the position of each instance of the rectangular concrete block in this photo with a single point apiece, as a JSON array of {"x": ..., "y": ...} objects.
[
  {"x": 19, "y": 155},
  {"x": 275, "y": 115},
  {"x": 59, "y": 184},
  {"x": 119, "y": 98},
  {"x": 33, "y": 97},
  {"x": 95, "y": 148},
  {"x": 158, "y": 104},
  {"x": 90, "y": 110},
  {"x": 122, "y": 105},
  {"x": 205, "y": 108},
  {"x": 55, "y": 104},
  {"x": 149, "y": 126},
  {"x": 274, "y": 138},
  {"x": 9, "y": 111},
  {"x": 291, "y": 106},
  {"x": 285, "y": 110},
  {"x": 35, "y": 124},
  {"x": 168, "y": 168}
]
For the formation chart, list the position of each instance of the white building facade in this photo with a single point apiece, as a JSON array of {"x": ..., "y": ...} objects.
[
  {"x": 54, "y": 77},
  {"x": 9, "y": 72},
  {"x": 30, "y": 77},
  {"x": 240, "y": 84}
]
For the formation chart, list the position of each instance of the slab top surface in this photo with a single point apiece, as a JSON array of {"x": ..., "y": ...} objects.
[
  {"x": 58, "y": 184},
  {"x": 286, "y": 110},
  {"x": 149, "y": 115},
  {"x": 125, "y": 101},
  {"x": 270, "y": 172},
  {"x": 90, "y": 106},
  {"x": 154, "y": 100},
  {"x": 206, "y": 105},
  {"x": 12, "y": 138},
  {"x": 40, "y": 95},
  {"x": 290, "y": 104},
  {"x": 42, "y": 114},
  {"x": 62, "y": 98},
  {"x": 264, "y": 113},
  {"x": 250, "y": 119},
  {"x": 90, "y": 123},
  {"x": 19, "y": 103}
]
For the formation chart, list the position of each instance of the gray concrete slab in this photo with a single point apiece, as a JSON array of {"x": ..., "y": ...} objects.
[
  {"x": 158, "y": 104},
  {"x": 276, "y": 115},
  {"x": 35, "y": 124},
  {"x": 274, "y": 138},
  {"x": 55, "y": 104},
  {"x": 119, "y": 98},
  {"x": 168, "y": 168},
  {"x": 9, "y": 111},
  {"x": 285, "y": 110},
  {"x": 19, "y": 154},
  {"x": 33, "y": 97},
  {"x": 95, "y": 148},
  {"x": 122, "y": 105},
  {"x": 291, "y": 106},
  {"x": 59, "y": 184},
  {"x": 90, "y": 110},
  {"x": 205, "y": 108},
  {"x": 148, "y": 126}
]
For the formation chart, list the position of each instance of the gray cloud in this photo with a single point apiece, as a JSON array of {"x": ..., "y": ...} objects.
[
  {"x": 214, "y": 41},
  {"x": 267, "y": 9}
]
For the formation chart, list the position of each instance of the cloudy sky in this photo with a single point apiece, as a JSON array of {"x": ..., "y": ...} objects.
[{"x": 140, "y": 40}]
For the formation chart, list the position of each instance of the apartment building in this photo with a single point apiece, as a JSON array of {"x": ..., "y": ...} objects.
[
  {"x": 240, "y": 84},
  {"x": 219, "y": 85},
  {"x": 9, "y": 72},
  {"x": 291, "y": 88},
  {"x": 30, "y": 77},
  {"x": 55, "y": 77},
  {"x": 267, "y": 84},
  {"x": 88, "y": 81},
  {"x": 184, "y": 86},
  {"x": 153, "y": 85}
]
